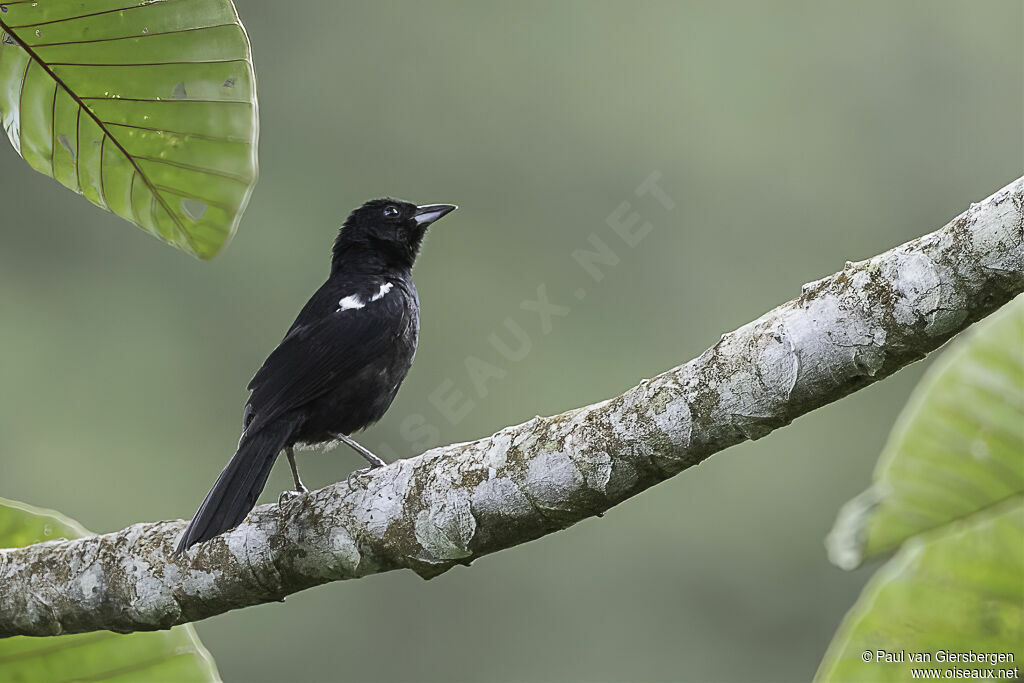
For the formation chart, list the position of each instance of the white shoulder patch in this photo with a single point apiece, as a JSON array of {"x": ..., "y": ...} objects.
[
  {"x": 349, "y": 302},
  {"x": 353, "y": 301},
  {"x": 384, "y": 289}
]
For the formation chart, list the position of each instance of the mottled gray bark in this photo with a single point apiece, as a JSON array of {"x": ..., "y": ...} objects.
[{"x": 453, "y": 504}]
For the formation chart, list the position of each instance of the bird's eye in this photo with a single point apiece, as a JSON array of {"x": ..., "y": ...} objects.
[{"x": 390, "y": 211}]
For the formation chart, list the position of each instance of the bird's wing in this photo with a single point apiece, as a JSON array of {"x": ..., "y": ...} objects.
[{"x": 315, "y": 358}]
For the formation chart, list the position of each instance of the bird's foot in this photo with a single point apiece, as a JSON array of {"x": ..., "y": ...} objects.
[
  {"x": 360, "y": 475},
  {"x": 289, "y": 496}
]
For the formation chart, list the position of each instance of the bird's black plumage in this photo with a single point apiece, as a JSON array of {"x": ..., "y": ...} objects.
[{"x": 339, "y": 366}]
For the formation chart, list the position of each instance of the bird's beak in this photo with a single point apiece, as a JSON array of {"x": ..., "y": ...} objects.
[{"x": 428, "y": 213}]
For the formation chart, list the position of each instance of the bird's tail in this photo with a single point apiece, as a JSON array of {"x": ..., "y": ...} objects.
[{"x": 235, "y": 492}]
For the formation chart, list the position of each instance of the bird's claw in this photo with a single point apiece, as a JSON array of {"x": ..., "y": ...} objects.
[
  {"x": 359, "y": 474},
  {"x": 290, "y": 495}
]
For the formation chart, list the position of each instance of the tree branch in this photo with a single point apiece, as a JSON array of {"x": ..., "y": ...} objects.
[{"x": 456, "y": 503}]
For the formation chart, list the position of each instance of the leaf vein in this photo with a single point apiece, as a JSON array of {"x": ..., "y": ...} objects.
[
  {"x": 155, "y": 100},
  {"x": 173, "y": 63},
  {"x": 139, "y": 35},
  {"x": 198, "y": 136},
  {"x": 78, "y": 100},
  {"x": 197, "y": 169},
  {"x": 91, "y": 14}
]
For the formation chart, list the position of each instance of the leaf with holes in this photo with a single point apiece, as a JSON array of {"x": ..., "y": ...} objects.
[
  {"x": 147, "y": 109},
  {"x": 174, "y": 655}
]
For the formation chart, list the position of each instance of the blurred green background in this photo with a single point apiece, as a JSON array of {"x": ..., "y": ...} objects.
[{"x": 791, "y": 136}]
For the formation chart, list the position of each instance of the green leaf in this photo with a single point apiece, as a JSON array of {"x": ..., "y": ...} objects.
[
  {"x": 957, "y": 590},
  {"x": 174, "y": 655},
  {"x": 957, "y": 448},
  {"x": 146, "y": 108},
  {"x": 949, "y": 493}
]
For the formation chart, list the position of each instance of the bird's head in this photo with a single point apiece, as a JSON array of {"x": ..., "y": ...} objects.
[{"x": 388, "y": 230}]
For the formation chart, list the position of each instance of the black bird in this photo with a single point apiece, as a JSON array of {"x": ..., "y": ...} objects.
[{"x": 338, "y": 368}]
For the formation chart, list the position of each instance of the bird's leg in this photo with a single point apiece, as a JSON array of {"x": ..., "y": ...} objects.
[
  {"x": 300, "y": 488},
  {"x": 374, "y": 461}
]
